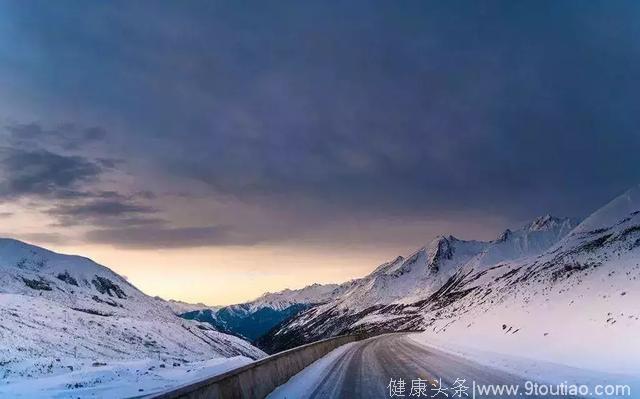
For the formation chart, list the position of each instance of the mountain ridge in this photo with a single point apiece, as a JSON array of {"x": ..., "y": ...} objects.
[{"x": 540, "y": 286}]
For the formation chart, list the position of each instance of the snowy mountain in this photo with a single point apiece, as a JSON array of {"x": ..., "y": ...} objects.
[
  {"x": 253, "y": 319},
  {"x": 404, "y": 281},
  {"x": 563, "y": 289},
  {"x": 312, "y": 294},
  {"x": 576, "y": 303},
  {"x": 426, "y": 270},
  {"x": 60, "y": 314}
]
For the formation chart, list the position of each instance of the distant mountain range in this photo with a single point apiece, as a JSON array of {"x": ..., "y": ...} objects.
[{"x": 254, "y": 319}]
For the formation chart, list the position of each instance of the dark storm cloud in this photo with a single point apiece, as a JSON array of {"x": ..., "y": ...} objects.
[
  {"x": 62, "y": 184},
  {"x": 102, "y": 208},
  {"x": 386, "y": 109},
  {"x": 36, "y": 161},
  {"x": 43, "y": 173},
  {"x": 66, "y": 186}
]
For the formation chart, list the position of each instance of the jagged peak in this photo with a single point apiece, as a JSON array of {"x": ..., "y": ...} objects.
[
  {"x": 287, "y": 296},
  {"x": 441, "y": 238},
  {"x": 440, "y": 248},
  {"x": 386, "y": 266},
  {"x": 546, "y": 222},
  {"x": 505, "y": 236},
  {"x": 560, "y": 226}
]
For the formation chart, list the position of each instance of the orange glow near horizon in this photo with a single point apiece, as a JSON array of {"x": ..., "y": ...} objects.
[
  {"x": 227, "y": 275},
  {"x": 223, "y": 275}
]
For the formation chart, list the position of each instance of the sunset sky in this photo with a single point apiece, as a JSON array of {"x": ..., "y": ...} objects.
[{"x": 214, "y": 150}]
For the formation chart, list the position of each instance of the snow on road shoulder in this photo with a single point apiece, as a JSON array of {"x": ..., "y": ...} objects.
[
  {"x": 302, "y": 384},
  {"x": 527, "y": 368},
  {"x": 120, "y": 379}
]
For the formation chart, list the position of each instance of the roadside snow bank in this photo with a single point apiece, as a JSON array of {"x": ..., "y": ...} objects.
[
  {"x": 120, "y": 379},
  {"x": 302, "y": 384},
  {"x": 530, "y": 369}
]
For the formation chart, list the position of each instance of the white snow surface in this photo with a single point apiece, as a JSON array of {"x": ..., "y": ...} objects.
[
  {"x": 614, "y": 212},
  {"x": 576, "y": 304},
  {"x": 580, "y": 310},
  {"x": 119, "y": 379},
  {"x": 64, "y": 317}
]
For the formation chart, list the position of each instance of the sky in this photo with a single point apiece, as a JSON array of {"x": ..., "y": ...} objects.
[{"x": 214, "y": 150}]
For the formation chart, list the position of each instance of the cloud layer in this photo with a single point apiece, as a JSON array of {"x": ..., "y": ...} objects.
[{"x": 319, "y": 115}]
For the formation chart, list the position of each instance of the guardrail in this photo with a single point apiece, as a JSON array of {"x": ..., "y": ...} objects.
[{"x": 258, "y": 379}]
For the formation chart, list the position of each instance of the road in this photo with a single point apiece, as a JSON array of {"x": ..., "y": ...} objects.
[{"x": 364, "y": 370}]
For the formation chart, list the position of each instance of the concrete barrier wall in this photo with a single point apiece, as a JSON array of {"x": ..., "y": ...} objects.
[{"x": 258, "y": 379}]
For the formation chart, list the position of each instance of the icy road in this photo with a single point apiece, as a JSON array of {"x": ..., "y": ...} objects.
[{"x": 373, "y": 369}]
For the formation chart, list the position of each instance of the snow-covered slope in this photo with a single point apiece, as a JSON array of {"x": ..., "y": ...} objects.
[
  {"x": 59, "y": 313},
  {"x": 530, "y": 240},
  {"x": 426, "y": 270},
  {"x": 569, "y": 291},
  {"x": 412, "y": 279},
  {"x": 577, "y": 303}
]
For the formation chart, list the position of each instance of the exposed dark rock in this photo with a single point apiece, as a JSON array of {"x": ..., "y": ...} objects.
[
  {"x": 505, "y": 236},
  {"x": 67, "y": 278},
  {"x": 40, "y": 284},
  {"x": 106, "y": 286},
  {"x": 595, "y": 244},
  {"x": 443, "y": 251},
  {"x": 105, "y": 301},
  {"x": 629, "y": 230},
  {"x": 571, "y": 268},
  {"x": 93, "y": 311}
]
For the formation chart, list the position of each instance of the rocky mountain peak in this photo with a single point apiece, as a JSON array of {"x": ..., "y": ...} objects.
[
  {"x": 439, "y": 249},
  {"x": 505, "y": 236},
  {"x": 545, "y": 222}
]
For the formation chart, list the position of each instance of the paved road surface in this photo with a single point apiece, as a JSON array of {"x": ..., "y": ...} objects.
[{"x": 365, "y": 369}]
